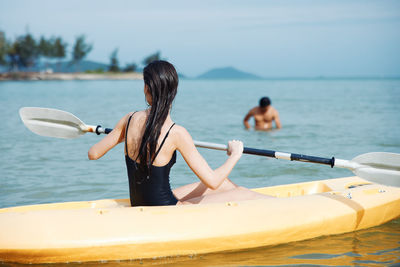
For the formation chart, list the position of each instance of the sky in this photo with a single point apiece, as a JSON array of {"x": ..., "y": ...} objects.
[{"x": 269, "y": 38}]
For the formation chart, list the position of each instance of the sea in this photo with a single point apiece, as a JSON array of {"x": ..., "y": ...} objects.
[{"x": 343, "y": 118}]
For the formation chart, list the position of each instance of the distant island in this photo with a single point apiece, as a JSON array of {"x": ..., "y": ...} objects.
[
  {"x": 27, "y": 57},
  {"x": 92, "y": 67},
  {"x": 228, "y": 73},
  {"x": 91, "y": 70}
]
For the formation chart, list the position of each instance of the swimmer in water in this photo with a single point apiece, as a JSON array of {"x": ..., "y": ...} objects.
[{"x": 264, "y": 115}]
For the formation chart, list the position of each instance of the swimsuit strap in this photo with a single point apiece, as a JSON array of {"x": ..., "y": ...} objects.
[
  {"x": 126, "y": 133},
  {"x": 162, "y": 143}
]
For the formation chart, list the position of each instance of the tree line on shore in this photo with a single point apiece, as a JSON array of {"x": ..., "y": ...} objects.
[{"x": 25, "y": 52}]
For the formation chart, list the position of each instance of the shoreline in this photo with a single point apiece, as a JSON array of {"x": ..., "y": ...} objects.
[
  {"x": 82, "y": 76},
  {"x": 40, "y": 76}
]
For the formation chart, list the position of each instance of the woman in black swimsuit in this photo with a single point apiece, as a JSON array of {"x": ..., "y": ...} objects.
[{"x": 151, "y": 140}]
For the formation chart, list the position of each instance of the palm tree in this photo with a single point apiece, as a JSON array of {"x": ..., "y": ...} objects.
[
  {"x": 4, "y": 47},
  {"x": 27, "y": 50},
  {"x": 151, "y": 58},
  {"x": 58, "y": 50},
  {"x": 80, "y": 50},
  {"x": 114, "y": 61}
]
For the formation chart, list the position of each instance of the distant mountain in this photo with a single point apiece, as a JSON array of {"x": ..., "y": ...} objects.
[{"x": 228, "y": 73}]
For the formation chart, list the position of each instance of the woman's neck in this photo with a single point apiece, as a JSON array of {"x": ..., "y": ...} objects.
[{"x": 168, "y": 119}]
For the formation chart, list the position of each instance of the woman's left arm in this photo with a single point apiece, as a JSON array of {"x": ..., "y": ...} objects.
[{"x": 116, "y": 136}]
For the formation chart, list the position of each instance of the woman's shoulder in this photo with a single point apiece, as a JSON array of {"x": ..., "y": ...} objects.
[
  {"x": 181, "y": 138},
  {"x": 180, "y": 133},
  {"x": 139, "y": 115},
  {"x": 134, "y": 118},
  {"x": 179, "y": 129}
]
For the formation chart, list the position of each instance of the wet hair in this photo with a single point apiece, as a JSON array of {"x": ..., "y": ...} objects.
[
  {"x": 265, "y": 102},
  {"x": 162, "y": 83}
]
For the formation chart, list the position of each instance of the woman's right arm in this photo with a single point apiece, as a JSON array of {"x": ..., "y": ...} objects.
[{"x": 211, "y": 178}]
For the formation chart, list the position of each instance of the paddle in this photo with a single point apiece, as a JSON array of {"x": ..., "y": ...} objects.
[{"x": 379, "y": 167}]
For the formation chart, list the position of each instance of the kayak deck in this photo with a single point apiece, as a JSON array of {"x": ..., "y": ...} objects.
[
  {"x": 289, "y": 190},
  {"x": 112, "y": 230}
]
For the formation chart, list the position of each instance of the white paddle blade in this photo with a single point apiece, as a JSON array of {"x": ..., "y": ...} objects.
[
  {"x": 52, "y": 122},
  {"x": 379, "y": 167}
]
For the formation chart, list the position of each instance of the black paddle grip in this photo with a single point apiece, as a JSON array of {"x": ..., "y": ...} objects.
[
  {"x": 305, "y": 158},
  {"x": 259, "y": 152},
  {"x": 99, "y": 130},
  {"x": 296, "y": 157}
]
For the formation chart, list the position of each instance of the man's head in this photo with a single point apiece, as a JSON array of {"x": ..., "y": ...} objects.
[{"x": 265, "y": 102}]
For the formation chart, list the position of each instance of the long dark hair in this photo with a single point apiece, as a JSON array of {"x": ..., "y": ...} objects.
[{"x": 162, "y": 83}]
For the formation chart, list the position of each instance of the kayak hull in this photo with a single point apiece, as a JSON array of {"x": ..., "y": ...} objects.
[{"x": 107, "y": 230}]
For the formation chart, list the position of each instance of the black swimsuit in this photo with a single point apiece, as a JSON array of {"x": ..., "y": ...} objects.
[{"x": 153, "y": 189}]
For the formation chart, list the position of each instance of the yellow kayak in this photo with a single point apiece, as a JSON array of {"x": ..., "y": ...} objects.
[{"x": 112, "y": 230}]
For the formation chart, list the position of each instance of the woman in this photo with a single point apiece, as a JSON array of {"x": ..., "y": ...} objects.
[{"x": 151, "y": 140}]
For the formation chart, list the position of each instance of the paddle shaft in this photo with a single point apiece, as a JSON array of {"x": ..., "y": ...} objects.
[
  {"x": 272, "y": 154},
  {"x": 289, "y": 156},
  {"x": 251, "y": 151}
]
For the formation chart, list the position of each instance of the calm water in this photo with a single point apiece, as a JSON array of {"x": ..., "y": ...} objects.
[{"x": 341, "y": 118}]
